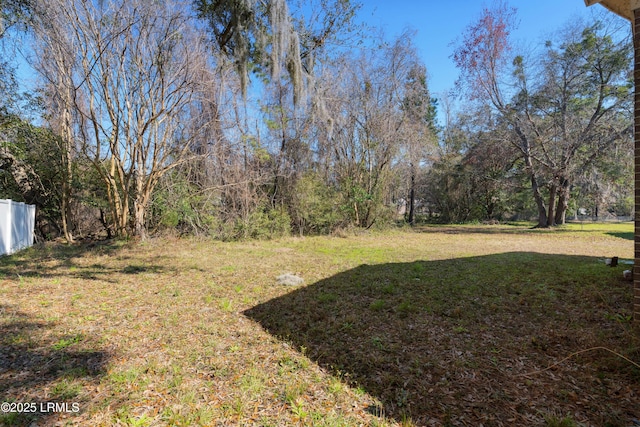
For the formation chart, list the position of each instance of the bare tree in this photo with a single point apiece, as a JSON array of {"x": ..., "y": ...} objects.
[
  {"x": 57, "y": 63},
  {"x": 365, "y": 125},
  {"x": 128, "y": 73}
]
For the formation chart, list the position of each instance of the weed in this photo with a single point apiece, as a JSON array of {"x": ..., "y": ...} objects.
[
  {"x": 141, "y": 421},
  {"x": 360, "y": 391},
  {"x": 553, "y": 421},
  {"x": 204, "y": 416},
  {"x": 346, "y": 326},
  {"x": 253, "y": 382},
  {"x": 406, "y": 307},
  {"x": 418, "y": 268},
  {"x": 389, "y": 289},
  {"x": 619, "y": 317},
  {"x": 14, "y": 419},
  {"x": 129, "y": 378},
  {"x": 67, "y": 342},
  {"x": 297, "y": 408},
  {"x": 293, "y": 391},
  {"x": 326, "y": 297},
  {"x": 65, "y": 390},
  {"x": 377, "y": 305},
  {"x": 237, "y": 406},
  {"x": 335, "y": 386},
  {"x": 289, "y": 364},
  {"x": 226, "y": 304},
  {"x": 377, "y": 343}
]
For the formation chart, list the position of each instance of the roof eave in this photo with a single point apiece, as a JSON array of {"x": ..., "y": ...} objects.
[{"x": 623, "y": 8}]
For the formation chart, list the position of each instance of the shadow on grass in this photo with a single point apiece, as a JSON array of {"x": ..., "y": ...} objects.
[
  {"x": 38, "y": 369},
  {"x": 515, "y": 229},
  {"x": 52, "y": 260},
  {"x": 622, "y": 235},
  {"x": 444, "y": 341},
  {"x": 477, "y": 229}
]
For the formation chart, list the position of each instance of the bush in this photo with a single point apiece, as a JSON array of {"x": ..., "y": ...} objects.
[
  {"x": 177, "y": 205},
  {"x": 315, "y": 206},
  {"x": 265, "y": 223}
]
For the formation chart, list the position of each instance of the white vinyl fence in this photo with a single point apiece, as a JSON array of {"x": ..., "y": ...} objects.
[{"x": 17, "y": 221}]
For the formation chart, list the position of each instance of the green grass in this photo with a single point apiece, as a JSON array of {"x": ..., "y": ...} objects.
[
  {"x": 65, "y": 390},
  {"x": 436, "y": 326},
  {"x": 66, "y": 342}
]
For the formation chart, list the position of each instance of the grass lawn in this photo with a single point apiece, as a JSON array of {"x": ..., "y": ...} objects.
[{"x": 440, "y": 326}]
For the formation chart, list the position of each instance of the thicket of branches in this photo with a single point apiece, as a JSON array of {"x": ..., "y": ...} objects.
[{"x": 250, "y": 119}]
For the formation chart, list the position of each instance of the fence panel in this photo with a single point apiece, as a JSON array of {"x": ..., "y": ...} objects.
[{"x": 17, "y": 221}]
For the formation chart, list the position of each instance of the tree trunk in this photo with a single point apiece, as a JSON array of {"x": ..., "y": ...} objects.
[
  {"x": 105, "y": 224},
  {"x": 542, "y": 210},
  {"x": 65, "y": 209},
  {"x": 412, "y": 196},
  {"x": 118, "y": 199},
  {"x": 563, "y": 202},
  {"x": 525, "y": 147},
  {"x": 355, "y": 208},
  {"x": 140, "y": 229},
  {"x": 65, "y": 148},
  {"x": 139, "y": 204},
  {"x": 551, "y": 216}
]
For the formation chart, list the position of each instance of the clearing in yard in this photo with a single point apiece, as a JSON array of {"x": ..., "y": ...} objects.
[{"x": 442, "y": 326}]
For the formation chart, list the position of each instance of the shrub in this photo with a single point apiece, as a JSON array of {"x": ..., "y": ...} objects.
[
  {"x": 315, "y": 206},
  {"x": 264, "y": 223}
]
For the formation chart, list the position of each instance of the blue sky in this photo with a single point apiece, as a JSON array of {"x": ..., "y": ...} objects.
[{"x": 439, "y": 23}]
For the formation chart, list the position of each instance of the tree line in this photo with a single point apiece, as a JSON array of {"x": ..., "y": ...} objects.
[{"x": 251, "y": 119}]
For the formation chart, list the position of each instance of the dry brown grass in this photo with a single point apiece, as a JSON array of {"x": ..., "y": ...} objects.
[{"x": 421, "y": 328}]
